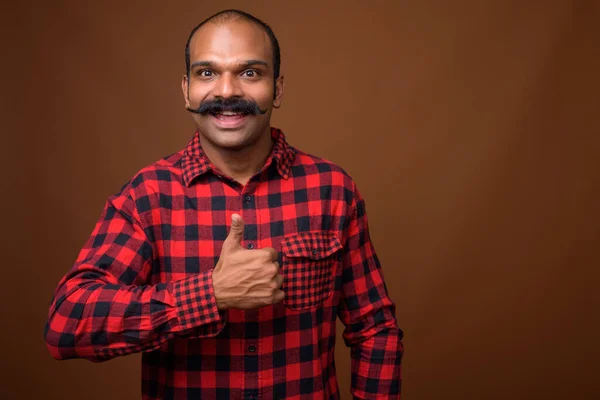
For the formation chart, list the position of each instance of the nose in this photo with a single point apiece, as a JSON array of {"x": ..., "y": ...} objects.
[{"x": 227, "y": 86}]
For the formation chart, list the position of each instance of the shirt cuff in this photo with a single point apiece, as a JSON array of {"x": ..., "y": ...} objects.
[{"x": 196, "y": 305}]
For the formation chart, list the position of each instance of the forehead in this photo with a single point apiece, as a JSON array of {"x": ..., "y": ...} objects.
[{"x": 230, "y": 41}]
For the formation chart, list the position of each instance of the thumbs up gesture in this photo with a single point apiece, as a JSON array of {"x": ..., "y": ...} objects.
[{"x": 245, "y": 279}]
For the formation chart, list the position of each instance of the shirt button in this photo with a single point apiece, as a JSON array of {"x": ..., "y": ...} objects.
[
  {"x": 250, "y": 246},
  {"x": 247, "y": 199},
  {"x": 314, "y": 252},
  {"x": 252, "y": 348}
]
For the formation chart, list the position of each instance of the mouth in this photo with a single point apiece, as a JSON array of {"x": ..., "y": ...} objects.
[
  {"x": 225, "y": 115},
  {"x": 229, "y": 119}
]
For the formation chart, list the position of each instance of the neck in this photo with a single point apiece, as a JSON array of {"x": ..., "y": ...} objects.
[{"x": 240, "y": 164}]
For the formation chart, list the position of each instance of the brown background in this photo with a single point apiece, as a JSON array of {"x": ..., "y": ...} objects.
[{"x": 471, "y": 129}]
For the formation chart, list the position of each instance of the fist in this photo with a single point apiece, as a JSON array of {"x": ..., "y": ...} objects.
[{"x": 245, "y": 279}]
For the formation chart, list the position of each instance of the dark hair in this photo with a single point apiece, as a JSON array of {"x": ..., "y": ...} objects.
[{"x": 226, "y": 15}]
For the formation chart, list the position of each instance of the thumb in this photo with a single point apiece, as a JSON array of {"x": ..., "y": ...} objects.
[{"x": 236, "y": 233}]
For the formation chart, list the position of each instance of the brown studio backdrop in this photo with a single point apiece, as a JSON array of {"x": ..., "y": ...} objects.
[{"x": 470, "y": 127}]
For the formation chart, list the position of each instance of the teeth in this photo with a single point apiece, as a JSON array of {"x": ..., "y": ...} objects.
[{"x": 229, "y": 113}]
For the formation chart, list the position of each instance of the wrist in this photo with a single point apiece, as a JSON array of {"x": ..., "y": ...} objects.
[{"x": 221, "y": 304}]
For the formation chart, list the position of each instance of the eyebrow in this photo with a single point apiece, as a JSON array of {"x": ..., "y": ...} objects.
[{"x": 246, "y": 63}]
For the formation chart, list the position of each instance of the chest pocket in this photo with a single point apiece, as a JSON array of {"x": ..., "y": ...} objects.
[{"x": 308, "y": 265}]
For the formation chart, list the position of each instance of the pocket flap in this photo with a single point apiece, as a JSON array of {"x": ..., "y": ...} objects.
[{"x": 312, "y": 245}]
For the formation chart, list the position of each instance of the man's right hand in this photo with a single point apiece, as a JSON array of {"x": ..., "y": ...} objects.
[{"x": 245, "y": 279}]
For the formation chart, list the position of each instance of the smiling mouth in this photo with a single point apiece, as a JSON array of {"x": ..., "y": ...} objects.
[{"x": 228, "y": 115}]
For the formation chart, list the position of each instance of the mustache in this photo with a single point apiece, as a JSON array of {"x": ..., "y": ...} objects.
[{"x": 236, "y": 105}]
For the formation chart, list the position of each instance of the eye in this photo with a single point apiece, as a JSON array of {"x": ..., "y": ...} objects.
[
  {"x": 205, "y": 73},
  {"x": 250, "y": 73}
]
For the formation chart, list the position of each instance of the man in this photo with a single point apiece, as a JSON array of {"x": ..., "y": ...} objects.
[{"x": 228, "y": 262}]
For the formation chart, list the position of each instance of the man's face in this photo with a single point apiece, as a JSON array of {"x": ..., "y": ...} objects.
[{"x": 231, "y": 61}]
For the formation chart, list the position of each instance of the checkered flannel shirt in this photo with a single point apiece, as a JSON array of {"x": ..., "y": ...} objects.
[{"x": 143, "y": 283}]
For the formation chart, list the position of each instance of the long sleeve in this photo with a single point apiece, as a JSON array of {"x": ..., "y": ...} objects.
[
  {"x": 371, "y": 329},
  {"x": 104, "y": 307}
]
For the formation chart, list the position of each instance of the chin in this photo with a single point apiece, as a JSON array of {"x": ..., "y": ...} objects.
[{"x": 230, "y": 139}]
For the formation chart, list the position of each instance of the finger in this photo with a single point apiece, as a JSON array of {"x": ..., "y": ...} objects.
[
  {"x": 278, "y": 281},
  {"x": 278, "y": 296},
  {"x": 272, "y": 270},
  {"x": 236, "y": 233},
  {"x": 273, "y": 254}
]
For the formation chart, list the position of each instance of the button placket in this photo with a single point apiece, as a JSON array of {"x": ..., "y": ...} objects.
[{"x": 247, "y": 208}]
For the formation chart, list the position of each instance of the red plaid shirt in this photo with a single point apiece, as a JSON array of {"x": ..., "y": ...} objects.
[{"x": 142, "y": 283}]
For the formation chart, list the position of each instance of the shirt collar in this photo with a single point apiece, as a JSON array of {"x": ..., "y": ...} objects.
[{"x": 195, "y": 162}]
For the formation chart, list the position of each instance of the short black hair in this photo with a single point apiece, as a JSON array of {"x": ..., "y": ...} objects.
[{"x": 233, "y": 14}]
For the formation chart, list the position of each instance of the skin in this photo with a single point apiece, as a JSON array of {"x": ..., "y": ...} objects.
[
  {"x": 246, "y": 279},
  {"x": 220, "y": 68},
  {"x": 219, "y": 57}
]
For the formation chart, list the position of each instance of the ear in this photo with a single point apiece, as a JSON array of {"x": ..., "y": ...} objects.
[
  {"x": 279, "y": 88},
  {"x": 185, "y": 89}
]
